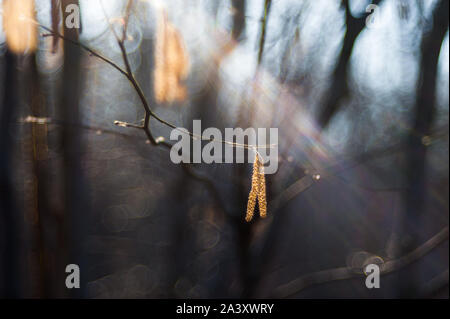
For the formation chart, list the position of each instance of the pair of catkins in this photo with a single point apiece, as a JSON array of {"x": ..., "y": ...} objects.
[
  {"x": 171, "y": 68},
  {"x": 258, "y": 191}
]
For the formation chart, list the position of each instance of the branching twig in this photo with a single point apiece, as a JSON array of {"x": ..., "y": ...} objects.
[
  {"x": 52, "y": 33},
  {"x": 342, "y": 165},
  {"x": 344, "y": 273},
  {"x": 127, "y": 19},
  {"x": 149, "y": 113}
]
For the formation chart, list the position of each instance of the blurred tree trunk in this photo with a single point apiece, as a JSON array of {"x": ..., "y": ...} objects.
[
  {"x": 10, "y": 218},
  {"x": 76, "y": 190},
  {"x": 56, "y": 19},
  {"x": 424, "y": 112},
  {"x": 338, "y": 89},
  {"x": 43, "y": 213},
  {"x": 238, "y": 18}
]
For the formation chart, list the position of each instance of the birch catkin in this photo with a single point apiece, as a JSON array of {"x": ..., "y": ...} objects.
[
  {"x": 257, "y": 192},
  {"x": 262, "y": 200},
  {"x": 171, "y": 62},
  {"x": 251, "y": 205},
  {"x": 20, "y": 30}
]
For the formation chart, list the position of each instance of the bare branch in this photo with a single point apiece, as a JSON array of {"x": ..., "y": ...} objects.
[
  {"x": 149, "y": 112},
  {"x": 344, "y": 273},
  {"x": 127, "y": 19},
  {"x": 90, "y": 51}
]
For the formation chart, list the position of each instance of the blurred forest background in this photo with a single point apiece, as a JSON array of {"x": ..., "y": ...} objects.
[{"x": 361, "y": 102}]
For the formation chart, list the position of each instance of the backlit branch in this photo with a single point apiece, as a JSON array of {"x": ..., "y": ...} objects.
[
  {"x": 149, "y": 113},
  {"x": 345, "y": 273}
]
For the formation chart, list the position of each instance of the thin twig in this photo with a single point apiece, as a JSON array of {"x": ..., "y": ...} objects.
[
  {"x": 127, "y": 19},
  {"x": 262, "y": 40},
  {"x": 91, "y": 52},
  {"x": 344, "y": 273},
  {"x": 160, "y": 141},
  {"x": 342, "y": 165},
  {"x": 149, "y": 113}
]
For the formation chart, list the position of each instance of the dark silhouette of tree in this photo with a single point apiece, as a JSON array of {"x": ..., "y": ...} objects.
[{"x": 338, "y": 89}]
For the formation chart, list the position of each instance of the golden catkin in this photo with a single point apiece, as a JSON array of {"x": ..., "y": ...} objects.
[
  {"x": 251, "y": 205},
  {"x": 171, "y": 63},
  {"x": 262, "y": 200},
  {"x": 256, "y": 172},
  {"x": 253, "y": 191},
  {"x": 258, "y": 191},
  {"x": 20, "y": 30}
]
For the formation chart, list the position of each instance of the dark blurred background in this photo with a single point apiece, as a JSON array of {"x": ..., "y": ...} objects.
[{"x": 360, "y": 99}]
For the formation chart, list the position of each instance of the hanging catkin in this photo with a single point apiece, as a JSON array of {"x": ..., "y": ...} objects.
[
  {"x": 258, "y": 191},
  {"x": 251, "y": 205},
  {"x": 20, "y": 28},
  {"x": 262, "y": 200},
  {"x": 171, "y": 62}
]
